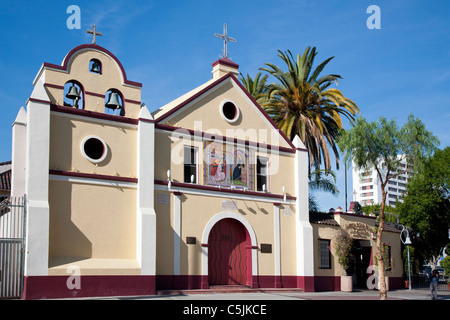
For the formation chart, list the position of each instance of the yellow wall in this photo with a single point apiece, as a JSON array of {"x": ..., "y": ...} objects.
[
  {"x": 66, "y": 135},
  {"x": 328, "y": 233},
  {"x": 288, "y": 240},
  {"x": 92, "y": 221},
  {"x": 164, "y": 235}
]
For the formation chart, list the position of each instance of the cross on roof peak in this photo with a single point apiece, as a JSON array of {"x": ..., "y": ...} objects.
[
  {"x": 225, "y": 38},
  {"x": 94, "y": 33}
]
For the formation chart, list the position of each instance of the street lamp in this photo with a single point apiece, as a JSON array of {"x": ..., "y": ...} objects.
[{"x": 407, "y": 243}]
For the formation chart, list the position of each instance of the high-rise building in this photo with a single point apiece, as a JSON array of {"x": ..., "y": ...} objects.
[{"x": 367, "y": 185}]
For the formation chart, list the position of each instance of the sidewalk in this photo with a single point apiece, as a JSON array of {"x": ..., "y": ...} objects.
[{"x": 402, "y": 294}]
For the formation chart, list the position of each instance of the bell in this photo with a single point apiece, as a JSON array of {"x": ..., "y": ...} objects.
[
  {"x": 73, "y": 93},
  {"x": 95, "y": 67},
  {"x": 113, "y": 101}
]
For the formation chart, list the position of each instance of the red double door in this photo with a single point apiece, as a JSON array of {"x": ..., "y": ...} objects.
[{"x": 229, "y": 257}]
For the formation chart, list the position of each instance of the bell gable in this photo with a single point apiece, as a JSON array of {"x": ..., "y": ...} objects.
[{"x": 91, "y": 78}]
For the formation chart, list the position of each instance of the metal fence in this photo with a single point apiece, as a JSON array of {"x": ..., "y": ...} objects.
[
  {"x": 422, "y": 281},
  {"x": 12, "y": 246}
]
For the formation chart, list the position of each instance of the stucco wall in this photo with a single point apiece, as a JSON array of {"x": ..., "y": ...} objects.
[
  {"x": 92, "y": 221},
  {"x": 67, "y": 134}
]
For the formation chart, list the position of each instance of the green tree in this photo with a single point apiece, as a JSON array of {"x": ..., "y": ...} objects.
[
  {"x": 426, "y": 206},
  {"x": 390, "y": 212},
  {"x": 303, "y": 103},
  {"x": 383, "y": 146}
]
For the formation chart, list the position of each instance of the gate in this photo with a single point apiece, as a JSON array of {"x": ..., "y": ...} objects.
[{"x": 12, "y": 243}]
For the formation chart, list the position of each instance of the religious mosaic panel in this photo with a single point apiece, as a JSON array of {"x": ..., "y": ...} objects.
[{"x": 228, "y": 165}]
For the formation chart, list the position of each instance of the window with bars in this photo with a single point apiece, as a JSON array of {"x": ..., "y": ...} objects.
[{"x": 324, "y": 254}]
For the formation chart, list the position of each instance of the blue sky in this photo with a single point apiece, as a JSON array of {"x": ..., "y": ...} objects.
[{"x": 169, "y": 46}]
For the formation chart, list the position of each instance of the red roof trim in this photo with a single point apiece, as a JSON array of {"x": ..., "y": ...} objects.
[{"x": 226, "y": 62}]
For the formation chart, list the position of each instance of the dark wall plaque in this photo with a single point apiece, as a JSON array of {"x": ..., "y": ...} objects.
[
  {"x": 266, "y": 248},
  {"x": 191, "y": 240}
]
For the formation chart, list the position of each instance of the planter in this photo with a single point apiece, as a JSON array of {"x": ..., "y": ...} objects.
[{"x": 347, "y": 283}]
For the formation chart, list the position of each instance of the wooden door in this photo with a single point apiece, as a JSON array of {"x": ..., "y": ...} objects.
[{"x": 227, "y": 253}]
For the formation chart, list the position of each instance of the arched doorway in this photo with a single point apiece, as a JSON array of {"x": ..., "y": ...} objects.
[{"x": 229, "y": 255}]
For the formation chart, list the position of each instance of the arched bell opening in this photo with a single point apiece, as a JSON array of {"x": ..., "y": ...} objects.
[
  {"x": 95, "y": 66},
  {"x": 73, "y": 94},
  {"x": 114, "y": 103}
]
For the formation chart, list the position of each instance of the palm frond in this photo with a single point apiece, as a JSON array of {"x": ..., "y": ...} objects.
[{"x": 304, "y": 103}]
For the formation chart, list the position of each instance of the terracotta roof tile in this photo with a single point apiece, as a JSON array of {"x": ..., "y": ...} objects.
[
  {"x": 5, "y": 180},
  {"x": 322, "y": 218}
]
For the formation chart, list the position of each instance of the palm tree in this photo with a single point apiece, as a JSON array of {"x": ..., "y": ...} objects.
[
  {"x": 256, "y": 87},
  {"x": 303, "y": 104},
  {"x": 318, "y": 182}
]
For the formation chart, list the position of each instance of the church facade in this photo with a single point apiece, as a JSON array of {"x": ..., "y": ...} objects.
[{"x": 204, "y": 191}]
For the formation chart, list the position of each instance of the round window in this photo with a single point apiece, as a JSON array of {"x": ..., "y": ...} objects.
[
  {"x": 229, "y": 111},
  {"x": 94, "y": 149}
]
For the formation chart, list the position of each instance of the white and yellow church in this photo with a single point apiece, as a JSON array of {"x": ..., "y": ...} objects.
[{"x": 204, "y": 191}]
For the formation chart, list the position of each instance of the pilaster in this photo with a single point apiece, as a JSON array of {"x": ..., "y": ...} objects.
[
  {"x": 36, "y": 185},
  {"x": 304, "y": 231},
  {"x": 146, "y": 216},
  {"x": 18, "y": 154}
]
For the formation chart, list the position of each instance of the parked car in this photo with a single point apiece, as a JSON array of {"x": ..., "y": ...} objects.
[
  {"x": 426, "y": 271},
  {"x": 441, "y": 272}
]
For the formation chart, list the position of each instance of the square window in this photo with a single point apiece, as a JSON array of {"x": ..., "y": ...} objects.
[
  {"x": 261, "y": 174},
  {"x": 190, "y": 164}
]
